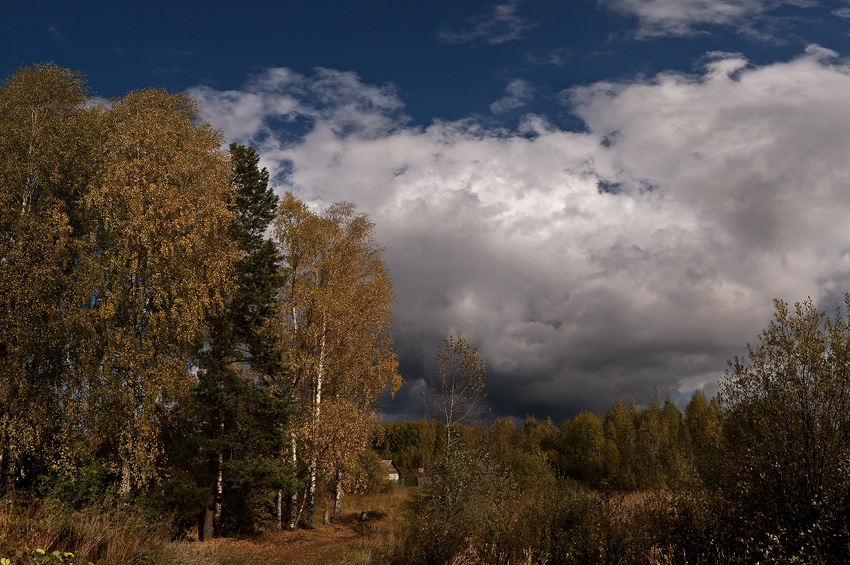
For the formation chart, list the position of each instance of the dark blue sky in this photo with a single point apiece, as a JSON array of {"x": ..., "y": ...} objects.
[
  {"x": 444, "y": 57},
  {"x": 603, "y": 196}
]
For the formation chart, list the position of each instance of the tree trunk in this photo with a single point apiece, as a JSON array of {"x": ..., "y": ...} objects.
[
  {"x": 317, "y": 414},
  {"x": 219, "y": 489},
  {"x": 7, "y": 469},
  {"x": 293, "y": 501},
  {"x": 311, "y": 495},
  {"x": 212, "y": 508},
  {"x": 338, "y": 496},
  {"x": 209, "y": 515},
  {"x": 279, "y": 509},
  {"x": 126, "y": 478},
  {"x": 11, "y": 471}
]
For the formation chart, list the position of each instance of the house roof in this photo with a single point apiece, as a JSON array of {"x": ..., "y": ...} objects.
[{"x": 391, "y": 467}]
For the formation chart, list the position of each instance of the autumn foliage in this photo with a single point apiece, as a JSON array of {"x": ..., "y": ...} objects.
[
  {"x": 156, "y": 345},
  {"x": 187, "y": 353}
]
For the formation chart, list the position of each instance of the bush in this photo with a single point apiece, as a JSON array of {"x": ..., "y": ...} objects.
[{"x": 787, "y": 436}]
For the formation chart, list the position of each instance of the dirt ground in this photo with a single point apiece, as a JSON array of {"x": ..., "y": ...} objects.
[{"x": 349, "y": 541}]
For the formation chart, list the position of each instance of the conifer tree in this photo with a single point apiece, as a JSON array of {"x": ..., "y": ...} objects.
[{"x": 239, "y": 364}]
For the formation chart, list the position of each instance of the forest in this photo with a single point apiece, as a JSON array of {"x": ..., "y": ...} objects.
[{"x": 186, "y": 356}]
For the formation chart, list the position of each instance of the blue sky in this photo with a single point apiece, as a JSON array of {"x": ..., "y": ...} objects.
[{"x": 604, "y": 196}]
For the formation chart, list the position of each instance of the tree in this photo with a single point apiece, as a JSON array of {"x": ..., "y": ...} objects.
[
  {"x": 49, "y": 151},
  {"x": 161, "y": 258},
  {"x": 787, "y": 434},
  {"x": 334, "y": 325},
  {"x": 114, "y": 245},
  {"x": 581, "y": 443},
  {"x": 621, "y": 444},
  {"x": 457, "y": 387},
  {"x": 703, "y": 420},
  {"x": 676, "y": 458},
  {"x": 409, "y": 444},
  {"x": 239, "y": 364},
  {"x": 649, "y": 445}
]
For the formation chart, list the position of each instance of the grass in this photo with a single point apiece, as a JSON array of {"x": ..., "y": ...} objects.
[
  {"x": 596, "y": 526},
  {"x": 109, "y": 533},
  {"x": 105, "y": 533},
  {"x": 348, "y": 541}
]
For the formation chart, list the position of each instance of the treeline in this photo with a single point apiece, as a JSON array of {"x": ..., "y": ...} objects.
[
  {"x": 629, "y": 449},
  {"x": 171, "y": 332},
  {"x": 758, "y": 474}
]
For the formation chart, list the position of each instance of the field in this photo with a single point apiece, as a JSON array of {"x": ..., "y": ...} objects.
[
  {"x": 349, "y": 541},
  {"x": 111, "y": 537}
]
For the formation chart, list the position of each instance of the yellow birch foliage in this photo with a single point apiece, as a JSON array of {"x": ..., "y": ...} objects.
[
  {"x": 163, "y": 260},
  {"x": 114, "y": 224},
  {"x": 334, "y": 322},
  {"x": 48, "y": 140}
]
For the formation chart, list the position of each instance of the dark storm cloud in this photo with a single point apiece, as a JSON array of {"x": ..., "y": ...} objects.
[{"x": 731, "y": 191}]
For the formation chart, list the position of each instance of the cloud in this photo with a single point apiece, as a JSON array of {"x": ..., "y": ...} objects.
[
  {"x": 517, "y": 94},
  {"x": 55, "y": 32},
  {"x": 274, "y": 108},
  {"x": 644, "y": 250},
  {"x": 688, "y": 17},
  {"x": 557, "y": 57},
  {"x": 500, "y": 25}
]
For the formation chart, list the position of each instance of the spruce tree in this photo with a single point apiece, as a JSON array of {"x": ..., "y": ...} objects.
[{"x": 236, "y": 394}]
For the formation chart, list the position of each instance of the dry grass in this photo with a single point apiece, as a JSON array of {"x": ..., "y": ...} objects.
[
  {"x": 102, "y": 534},
  {"x": 348, "y": 541}
]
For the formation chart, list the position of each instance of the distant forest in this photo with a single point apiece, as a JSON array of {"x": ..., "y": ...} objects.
[{"x": 184, "y": 353}]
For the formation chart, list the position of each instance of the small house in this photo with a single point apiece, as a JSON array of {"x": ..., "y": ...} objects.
[{"x": 393, "y": 474}]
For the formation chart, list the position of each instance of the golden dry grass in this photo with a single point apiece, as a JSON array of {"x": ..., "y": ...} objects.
[
  {"x": 103, "y": 534},
  {"x": 348, "y": 541}
]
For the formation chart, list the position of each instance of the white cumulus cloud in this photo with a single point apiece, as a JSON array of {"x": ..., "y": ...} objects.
[
  {"x": 643, "y": 251},
  {"x": 517, "y": 94},
  {"x": 686, "y": 17}
]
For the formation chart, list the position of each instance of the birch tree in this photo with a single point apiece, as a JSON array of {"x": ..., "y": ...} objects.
[
  {"x": 334, "y": 322},
  {"x": 457, "y": 387},
  {"x": 786, "y": 434},
  {"x": 162, "y": 259},
  {"x": 49, "y": 151},
  {"x": 114, "y": 219}
]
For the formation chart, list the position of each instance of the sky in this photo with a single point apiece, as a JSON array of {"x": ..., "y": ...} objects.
[{"x": 603, "y": 196}]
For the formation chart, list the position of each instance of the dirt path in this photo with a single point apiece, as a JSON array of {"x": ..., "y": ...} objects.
[{"x": 348, "y": 541}]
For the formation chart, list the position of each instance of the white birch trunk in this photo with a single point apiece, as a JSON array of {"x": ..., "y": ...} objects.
[
  {"x": 126, "y": 478},
  {"x": 279, "y": 509},
  {"x": 293, "y": 500},
  {"x": 317, "y": 414},
  {"x": 219, "y": 489}
]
